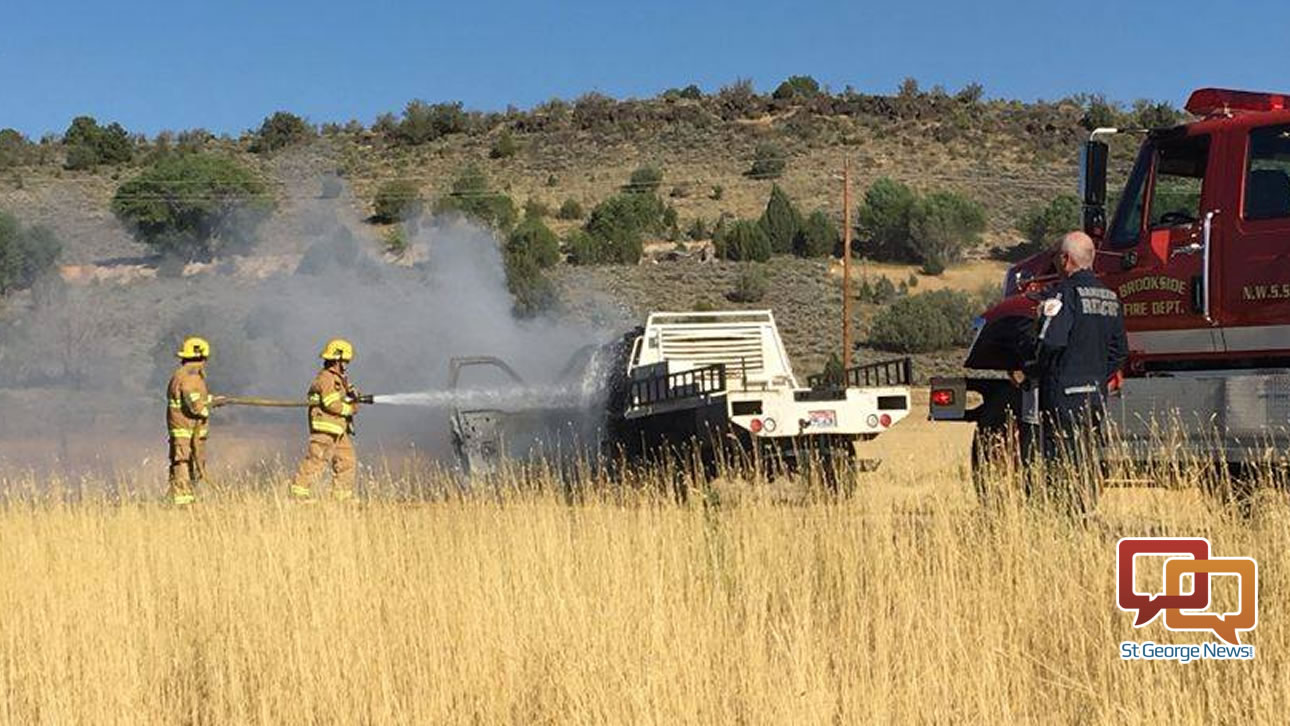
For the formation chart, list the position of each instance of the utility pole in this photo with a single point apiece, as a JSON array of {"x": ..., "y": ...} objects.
[{"x": 846, "y": 263}]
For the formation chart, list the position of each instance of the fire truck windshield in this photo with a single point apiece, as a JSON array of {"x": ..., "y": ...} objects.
[{"x": 1127, "y": 225}]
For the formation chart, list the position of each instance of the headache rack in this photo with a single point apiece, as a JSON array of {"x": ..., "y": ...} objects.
[
  {"x": 894, "y": 372},
  {"x": 675, "y": 386}
]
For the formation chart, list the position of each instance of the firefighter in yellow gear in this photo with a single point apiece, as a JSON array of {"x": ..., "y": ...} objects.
[
  {"x": 188, "y": 411},
  {"x": 333, "y": 403}
]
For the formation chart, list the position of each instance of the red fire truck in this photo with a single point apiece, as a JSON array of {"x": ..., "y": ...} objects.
[{"x": 1198, "y": 249}]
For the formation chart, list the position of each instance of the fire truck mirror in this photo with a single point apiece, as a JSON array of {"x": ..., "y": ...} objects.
[
  {"x": 1129, "y": 260},
  {"x": 1092, "y": 174}
]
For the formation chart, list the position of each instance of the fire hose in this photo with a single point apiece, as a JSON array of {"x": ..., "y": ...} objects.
[{"x": 275, "y": 402}]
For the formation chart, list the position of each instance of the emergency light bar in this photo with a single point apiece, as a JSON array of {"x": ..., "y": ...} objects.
[{"x": 1210, "y": 101}]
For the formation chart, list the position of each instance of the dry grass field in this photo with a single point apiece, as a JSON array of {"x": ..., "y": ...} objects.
[{"x": 903, "y": 603}]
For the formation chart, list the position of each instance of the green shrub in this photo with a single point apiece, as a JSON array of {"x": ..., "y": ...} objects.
[
  {"x": 570, "y": 210},
  {"x": 880, "y": 291},
  {"x": 718, "y": 192},
  {"x": 396, "y": 241},
  {"x": 25, "y": 254},
  {"x": 912, "y": 282},
  {"x": 698, "y": 230},
  {"x": 396, "y": 200},
  {"x": 671, "y": 223},
  {"x": 941, "y": 226},
  {"x": 281, "y": 130},
  {"x": 423, "y": 122},
  {"x": 971, "y": 94},
  {"x": 751, "y": 285},
  {"x": 15, "y": 149},
  {"x": 833, "y": 373},
  {"x": 769, "y": 162},
  {"x": 1152, "y": 115},
  {"x": 1100, "y": 113},
  {"x": 737, "y": 100},
  {"x": 504, "y": 146},
  {"x": 782, "y": 222},
  {"x": 618, "y": 226},
  {"x": 534, "y": 240},
  {"x": 386, "y": 125},
  {"x": 924, "y": 323},
  {"x": 583, "y": 250},
  {"x": 884, "y": 219},
  {"x": 531, "y": 291},
  {"x": 819, "y": 237},
  {"x": 797, "y": 88},
  {"x": 644, "y": 180},
  {"x": 472, "y": 198},
  {"x": 743, "y": 240},
  {"x": 1043, "y": 226},
  {"x": 536, "y": 208},
  {"x": 89, "y": 144},
  {"x": 194, "y": 204}
]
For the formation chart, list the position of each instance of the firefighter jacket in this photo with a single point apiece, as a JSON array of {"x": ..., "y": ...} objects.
[
  {"x": 331, "y": 404},
  {"x": 188, "y": 403},
  {"x": 1081, "y": 340}
]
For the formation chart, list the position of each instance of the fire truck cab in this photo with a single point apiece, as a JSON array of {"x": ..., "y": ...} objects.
[
  {"x": 1198, "y": 250},
  {"x": 1199, "y": 246}
]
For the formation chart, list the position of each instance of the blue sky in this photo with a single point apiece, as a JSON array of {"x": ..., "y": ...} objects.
[{"x": 225, "y": 65}]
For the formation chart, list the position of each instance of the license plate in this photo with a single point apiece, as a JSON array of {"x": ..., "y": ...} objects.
[{"x": 822, "y": 419}]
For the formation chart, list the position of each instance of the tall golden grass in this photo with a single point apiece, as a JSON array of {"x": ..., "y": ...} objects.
[{"x": 903, "y": 603}]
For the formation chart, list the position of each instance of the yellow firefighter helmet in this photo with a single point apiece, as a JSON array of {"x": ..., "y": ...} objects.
[
  {"x": 194, "y": 348},
  {"x": 338, "y": 349}
]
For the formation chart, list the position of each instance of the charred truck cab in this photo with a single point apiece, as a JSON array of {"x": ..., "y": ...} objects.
[{"x": 1198, "y": 250}]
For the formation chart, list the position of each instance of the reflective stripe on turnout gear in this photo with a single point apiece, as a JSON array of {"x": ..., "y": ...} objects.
[
  {"x": 299, "y": 491},
  {"x": 1090, "y": 388},
  {"x": 181, "y": 433},
  {"x": 326, "y": 427},
  {"x": 332, "y": 397}
]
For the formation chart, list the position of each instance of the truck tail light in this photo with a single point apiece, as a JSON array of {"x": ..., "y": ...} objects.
[
  {"x": 943, "y": 397},
  {"x": 885, "y": 420},
  {"x": 755, "y": 426}
]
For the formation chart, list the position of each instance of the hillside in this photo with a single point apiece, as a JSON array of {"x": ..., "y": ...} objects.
[{"x": 1008, "y": 156}]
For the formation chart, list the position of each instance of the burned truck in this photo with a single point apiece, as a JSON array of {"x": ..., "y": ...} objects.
[{"x": 686, "y": 388}]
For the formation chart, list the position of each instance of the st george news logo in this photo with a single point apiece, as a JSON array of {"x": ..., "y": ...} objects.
[{"x": 1186, "y": 611}]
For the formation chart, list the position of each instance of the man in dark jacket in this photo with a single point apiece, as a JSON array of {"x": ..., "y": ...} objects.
[{"x": 1081, "y": 345}]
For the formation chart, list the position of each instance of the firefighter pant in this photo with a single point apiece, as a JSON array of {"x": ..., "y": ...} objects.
[
  {"x": 327, "y": 450},
  {"x": 1073, "y": 443},
  {"x": 187, "y": 467}
]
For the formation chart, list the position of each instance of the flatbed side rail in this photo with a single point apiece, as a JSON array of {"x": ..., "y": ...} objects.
[
  {"x": 676, "y": 386},
  {"x": 894, "y": 372}
]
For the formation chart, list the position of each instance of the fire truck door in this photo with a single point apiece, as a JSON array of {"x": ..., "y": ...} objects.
[
  {"x": 1256, "y": 300},
  {"x": 1162, "y": 272}
]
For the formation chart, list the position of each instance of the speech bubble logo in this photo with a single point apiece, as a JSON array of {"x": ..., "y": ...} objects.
[
  {"x": 1148, "y": 606},
  {"x": 1224, "y": 625}
]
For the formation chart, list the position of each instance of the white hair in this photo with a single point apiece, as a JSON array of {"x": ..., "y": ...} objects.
[{"x": 1079, "y": 248}]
